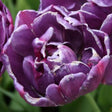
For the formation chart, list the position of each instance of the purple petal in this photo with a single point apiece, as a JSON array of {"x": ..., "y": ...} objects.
[
  {"x": 94, "y": 77},
  {"x": 90, "y": 57},
  {"x": 93, "y": 42},
  {"x": 100, "y": 12},
  {"x": 70, "y": 85},
  {"x": 22, "y": 39},
  {"x": 91, "y": 19},
  {"x": 70, "y": 68},
  {"x": 103, "y": 3},
  {"x": 15, "y": 70},
  {"x": 75, "y": 38},
  {"x": 25, "y": 17},
  {"x": 69, "y": 4},
  {"x": 30, "y": 72},
  {"x": 61, "y": 10},
  {"x": 41, "y": 102},
  {"x": 105, "y": 41},
  {"x": 40, "y": 27},
  {"x": 45, "y": 78},
  {"x": 48, "y": 34},
  {"x": 63, "y": 55},
  {"x": 54, "y": 93},
  {"x": 107, "y": 25},
  {"x": 108, "y": 73}
]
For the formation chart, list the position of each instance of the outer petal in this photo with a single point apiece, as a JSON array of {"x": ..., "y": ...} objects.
[
  {"x": 30, "y": 72},
  {"x": 70, "y": 85},
  {"x": 15, "y": 70},
  {"x": 22, "y": 39},
  {"x": 108, "y": 73},
  {"x": 25, "y": 17},
  {"x": 24, "y": 89},
  {"x": 95, "y": 76},
  {"x": 41, "y": 102},
  {"x": 53, "y": 92}
]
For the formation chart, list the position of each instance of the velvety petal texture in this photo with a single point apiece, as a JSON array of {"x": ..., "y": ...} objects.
[{"x": 60, "y": 52}]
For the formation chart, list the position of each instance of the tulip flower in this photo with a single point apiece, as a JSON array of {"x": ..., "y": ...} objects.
[{"x": 55, "y": 55}]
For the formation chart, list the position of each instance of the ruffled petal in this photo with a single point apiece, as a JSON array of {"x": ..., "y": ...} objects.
[
  {"x": 53, "y": 92},
  {"x": 41, "y": 102},
  {"x": 21, "y": 41},
  {"x": 99, "y": 12},
  {"x": 15, "y": 70},
  {"x": 63, "y": 54},
  {"x": 70, "y": 68},
  {"x": 105, "y": 41},
  {"x": 54, "y": 20},
  {"x": 95, "y": 76},
  {"x": 70, "y": 85},
  {"x": 90, "y": 57},
  {"x": 43, "y": 77},
  {"x": 29, "y": 72},
  {"x": 25, "y": 17},
  {"x": 50, "y": 19}
]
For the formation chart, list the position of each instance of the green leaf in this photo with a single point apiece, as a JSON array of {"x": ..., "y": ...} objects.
[
  {"x": 18, "y": 103},
  {"x": 25, "y": 106},
  {"x": 34, "y": 4},
  {"x": 105, "y": 98},
  {"x": 22, "y": 4},
  {"x": 6, "y": 81},
  {"x": 3, "y": 106},
  {"x": 83, "y": 104}
]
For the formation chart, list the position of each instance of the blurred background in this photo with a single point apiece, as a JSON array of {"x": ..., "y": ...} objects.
[{"x": 99, "y": 100}]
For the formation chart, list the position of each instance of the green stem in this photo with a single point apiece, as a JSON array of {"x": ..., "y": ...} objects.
[{"x": 93, "y": 103}]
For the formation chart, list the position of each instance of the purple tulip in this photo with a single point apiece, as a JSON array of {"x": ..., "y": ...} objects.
[
  {"x": 6, "y": 28},
  {"x": 97, "y": 14},
  {"x": 54, "y": 56}
]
